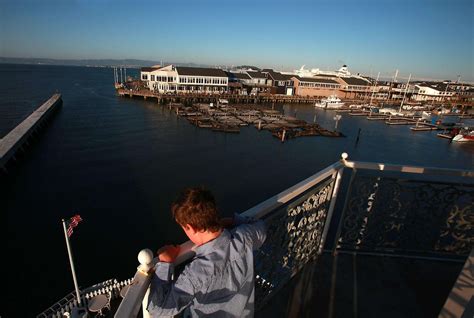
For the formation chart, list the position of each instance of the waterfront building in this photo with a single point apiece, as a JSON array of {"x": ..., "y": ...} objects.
[
  {"x": 258, "y": 78},
  {"x": 320, "y": 87},
  {"x": 238, "y": 83},
  {"x": 243, "y": 78},
  {"x": 464, "y": 92},
  {"x": 432, "y": 91},
  {"x": 280, "y": 83},
  {"x": 354, "y": 87},
  {"x": 181, "y": 79}
]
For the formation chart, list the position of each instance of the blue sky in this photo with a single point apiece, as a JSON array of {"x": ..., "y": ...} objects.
[{"x": 428, "y": 38}]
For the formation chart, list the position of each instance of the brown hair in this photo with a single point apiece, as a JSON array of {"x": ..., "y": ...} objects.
[{"x": 196, "y": 207}]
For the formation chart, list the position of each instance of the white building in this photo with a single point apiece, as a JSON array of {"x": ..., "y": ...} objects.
[
  {"x": 182, "y": 79},
  {"x": 432, "y": 92}
]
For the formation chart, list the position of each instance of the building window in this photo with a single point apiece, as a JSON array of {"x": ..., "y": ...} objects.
[
  {"x": 144, "y": 76},
  {"x": 152, "y": 77}
]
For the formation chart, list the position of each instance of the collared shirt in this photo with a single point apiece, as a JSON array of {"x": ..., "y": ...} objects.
[{"x": 219, "y": 281}]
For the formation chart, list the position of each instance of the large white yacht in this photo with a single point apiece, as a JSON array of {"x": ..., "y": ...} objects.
[{"x": 331, "y": 102}]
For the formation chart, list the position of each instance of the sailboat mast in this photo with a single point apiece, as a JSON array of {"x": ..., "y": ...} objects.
[
  {"x": 404, "y": 94},
  {"x": 373, "y": 89}
]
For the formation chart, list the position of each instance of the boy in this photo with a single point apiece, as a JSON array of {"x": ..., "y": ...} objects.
[{"x": 219, "y": 281}]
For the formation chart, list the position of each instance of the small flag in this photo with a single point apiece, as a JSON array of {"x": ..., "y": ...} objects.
[{"x": 73, "y": 222}]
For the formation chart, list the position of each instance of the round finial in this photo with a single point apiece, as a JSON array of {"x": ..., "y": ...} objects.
[
  {"x": 145, "y": 256},
  {"x": 344, "y": 155}
]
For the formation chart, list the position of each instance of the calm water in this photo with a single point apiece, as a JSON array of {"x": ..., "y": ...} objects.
[{"x": 120, "y": 162}]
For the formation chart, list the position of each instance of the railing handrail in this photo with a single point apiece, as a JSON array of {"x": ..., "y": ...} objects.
[
  {"x": 408, "y": 169},
  {"x": 263, "y": 208}
]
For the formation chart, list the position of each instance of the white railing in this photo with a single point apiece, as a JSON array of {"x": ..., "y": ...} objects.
[{"x": 329, "y": 178}]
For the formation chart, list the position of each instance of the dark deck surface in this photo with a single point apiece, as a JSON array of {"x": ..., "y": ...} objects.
[{"x": 365, "y": 286}]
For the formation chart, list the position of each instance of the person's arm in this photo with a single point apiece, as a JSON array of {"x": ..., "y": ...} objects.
[
  {"x": 250, "y": 229},
  {"x": 169, "y": 298}
]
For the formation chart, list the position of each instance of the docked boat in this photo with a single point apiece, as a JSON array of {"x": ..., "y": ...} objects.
[
  {"x": 332, "y": 102},
  {"x": 390, "y": 111},
  {"x": 426, "y": 116},
  {"x": 465, "y": 135},
  {"x": 223, "y": 101}
]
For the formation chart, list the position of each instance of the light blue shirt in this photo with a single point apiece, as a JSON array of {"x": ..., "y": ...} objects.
[{"x": 219, "y": 281}]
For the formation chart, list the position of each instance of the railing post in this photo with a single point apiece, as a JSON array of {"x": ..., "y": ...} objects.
[
  {"x": 346, "y": 201},
  {"x": 132, "y": 301},
  {"x": 335, "y": 191}
]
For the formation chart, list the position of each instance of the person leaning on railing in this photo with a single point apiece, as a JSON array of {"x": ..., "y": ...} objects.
[{"x": 219, "y": 281}]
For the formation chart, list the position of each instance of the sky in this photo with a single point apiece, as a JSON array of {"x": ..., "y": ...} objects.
[{"x": 425, "y": 38}]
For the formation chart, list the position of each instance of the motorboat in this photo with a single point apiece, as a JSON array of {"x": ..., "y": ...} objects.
[
  {"x": 426, "y": 116},
  {"x": 465, "y": 135},
  {"x": 331, "y": 102},
  {"x": 390, "y": 111}
]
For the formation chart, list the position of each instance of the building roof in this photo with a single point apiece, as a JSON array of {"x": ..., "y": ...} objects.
[
  {"x": 439, "y": 86},
  {"x": 316, "y": 80},
  {"x": 238, "y": 75},
  {"x": 279, "y": 76},
  {"x": 200, "y": 71},
  {"x": 355, "y": 81},
  {"x": 149, "y": 69},
  {"x": 325, "y": 75},
  {"x": 256, "y": 74}
]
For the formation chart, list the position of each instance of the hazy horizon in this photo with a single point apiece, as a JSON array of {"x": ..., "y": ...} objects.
[{"x": 429, "y": 39}]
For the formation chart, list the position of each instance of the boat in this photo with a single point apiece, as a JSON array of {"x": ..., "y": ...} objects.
[
  {"x": 426, "y": 116},
  {"x": 390, "y": 111},
  {"x": 465, "y": 135},
  {"x": 331, "y": 102},
  {"x": 223, "y": 101}
]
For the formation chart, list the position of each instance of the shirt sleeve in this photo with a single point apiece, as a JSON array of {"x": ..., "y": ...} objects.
[
  {"x": 168, "y": 298},
  {"x": 255, "y": 233}
]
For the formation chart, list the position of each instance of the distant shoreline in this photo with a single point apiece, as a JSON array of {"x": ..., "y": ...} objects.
[{"x": 128, "y": 63}]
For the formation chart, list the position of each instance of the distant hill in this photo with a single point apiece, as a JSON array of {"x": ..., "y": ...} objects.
[{"x": 129, "y": 63}]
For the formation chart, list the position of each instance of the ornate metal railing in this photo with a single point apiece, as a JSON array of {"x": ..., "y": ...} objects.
[
  {"x": 404, "y": 216},
  {"x": 382, "y": 214}
]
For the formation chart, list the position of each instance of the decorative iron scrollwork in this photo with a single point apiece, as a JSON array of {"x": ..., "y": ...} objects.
[
  {"x": 294, "y": 234},
  {"x": 409, "y": 217}
]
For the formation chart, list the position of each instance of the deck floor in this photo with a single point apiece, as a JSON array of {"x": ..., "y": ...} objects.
[{"x": 365, "y": 286}]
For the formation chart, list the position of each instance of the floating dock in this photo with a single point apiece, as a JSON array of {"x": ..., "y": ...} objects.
[
  {"x": 230, "y": 118},
  {"x": 16, "y": 138}
]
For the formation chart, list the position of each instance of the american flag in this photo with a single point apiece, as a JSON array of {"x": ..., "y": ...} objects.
[{"x": 73, "y": 222}]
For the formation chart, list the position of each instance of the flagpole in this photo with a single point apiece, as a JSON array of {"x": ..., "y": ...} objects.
[{"x": 71, "y": 262}]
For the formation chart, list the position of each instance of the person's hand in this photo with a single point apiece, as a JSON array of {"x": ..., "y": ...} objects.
[{"x": 168, "y": 253}]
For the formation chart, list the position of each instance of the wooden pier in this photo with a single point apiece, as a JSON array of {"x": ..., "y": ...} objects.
[
  {"x": 213, "y": 98},
  {"x": 16, "y": 138}
]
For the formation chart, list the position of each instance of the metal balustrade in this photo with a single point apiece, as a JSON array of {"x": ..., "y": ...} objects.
[{"x": 382, "y": 214}]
